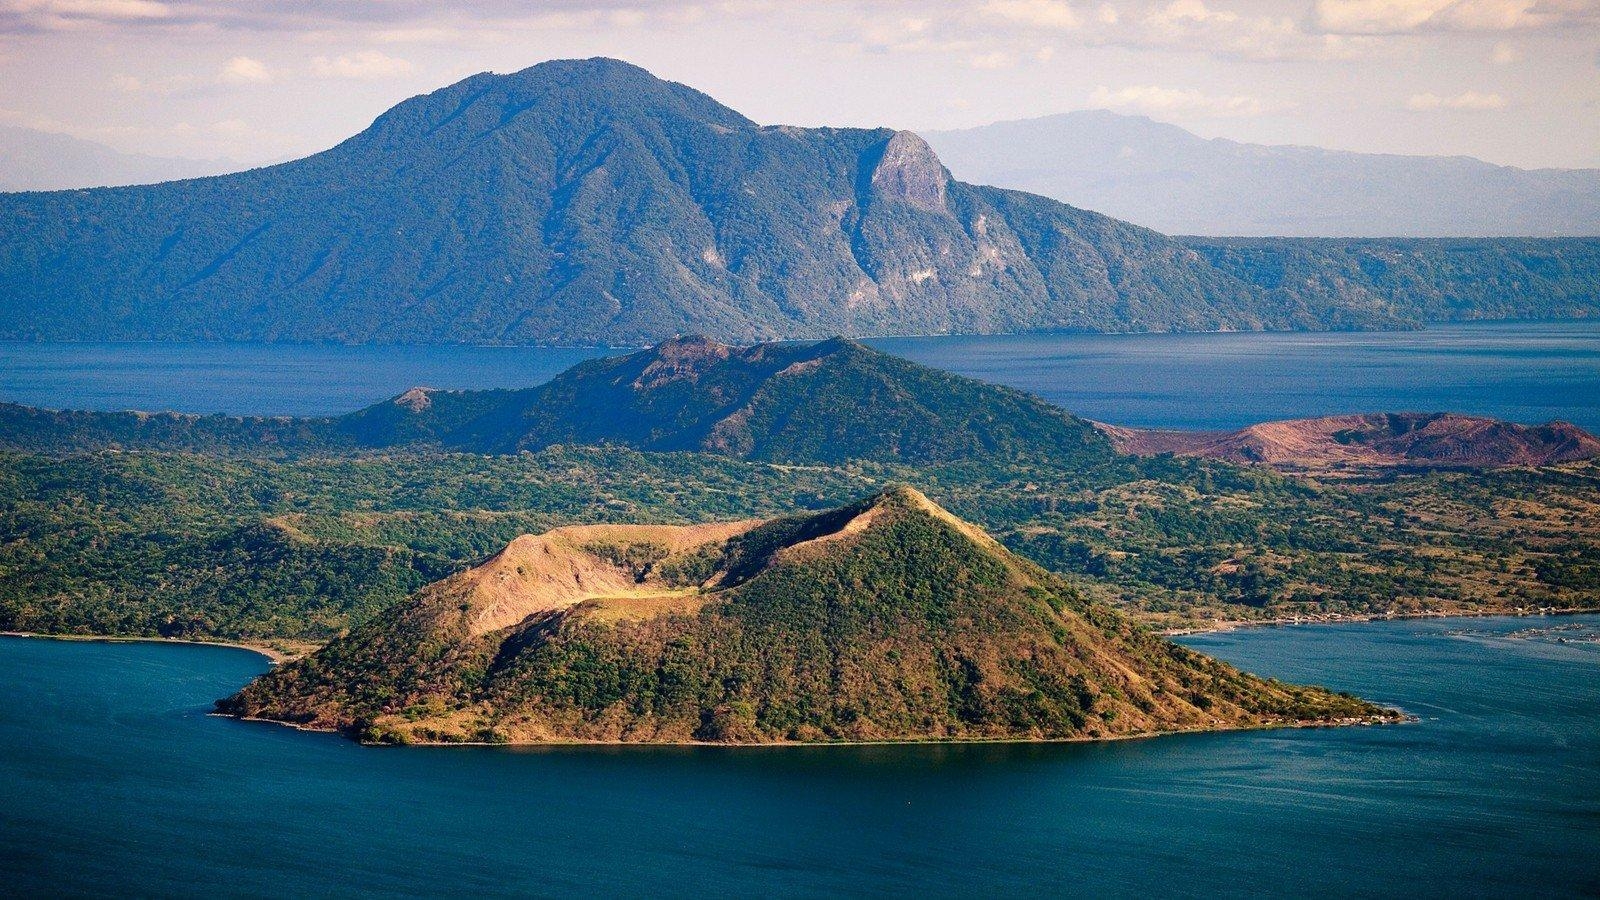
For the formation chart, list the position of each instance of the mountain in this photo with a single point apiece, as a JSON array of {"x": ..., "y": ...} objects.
[
  {"x": 42, "y": 161},
  {"x": 588, "y": 202},
  {"x": 815, "y": 403},
  {"x": 1166, "y": 178},
  {"x": 886, "y": 620},
  {"x": 827, "y": 403},
  {"x": 1377, "y": 440}
]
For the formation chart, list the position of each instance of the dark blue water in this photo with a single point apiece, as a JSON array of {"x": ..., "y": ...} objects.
[
  {"x": 1525, "y": 372},
  {"x": 113, "y": 780},
  {"x": 1530, "y": 372}
]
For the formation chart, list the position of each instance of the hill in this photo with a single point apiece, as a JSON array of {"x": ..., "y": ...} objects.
[
  {"x": 43, "y": 161},
  {"x": 1375, "y": 440},
  {"x": 888, "y": 619},
  {"x": 819, "y": 403},
  {"x": 808, "y": 403},
  {"x": 1166, "y": 178},
  {"x": 588, "y": 202}
]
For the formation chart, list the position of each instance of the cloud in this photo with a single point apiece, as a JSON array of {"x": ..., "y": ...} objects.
[
  {"x": 1504, "y": 54},
  {"x": 996, "y": 60},
  {"x": 1199, "y": 26},
  {"x": 1404, "y": 16},
  {"x": 245, "y": 70},
  {"x": 133, "y": 84},
  {"x": 421, "y": 34},
  {"x": 366, "y": 65},
  {"x": 1052, "y": 14},
  {"x": 1469, "y": 101},
  {"x": 1158, "y": 100},
  {"x": 71, "y": 15}
]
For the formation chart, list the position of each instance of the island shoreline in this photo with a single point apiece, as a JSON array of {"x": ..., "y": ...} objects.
[
  {"x": 273, "y": 654},
  {"x": 1361, "y": 619}
]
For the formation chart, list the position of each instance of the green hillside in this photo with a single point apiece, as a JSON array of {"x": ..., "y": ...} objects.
[
  {"x": 807, "y": 403},
  {"x": 888, "y": 619}
]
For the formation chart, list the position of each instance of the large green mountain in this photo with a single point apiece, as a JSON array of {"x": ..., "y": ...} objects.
[
  {"x": 587, "y": 202},
  {"x": 827, "y": 402},
  {"x": 889, "y": 619}
]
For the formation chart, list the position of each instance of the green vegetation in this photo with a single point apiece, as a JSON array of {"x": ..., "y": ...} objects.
[
  {"x": 1421, "y": 279},
  {"x": 587, "y": 202},
  {"x": 202, "y": 546},
  {"x": 289, "y": 529},
  {"x": 883, "y": 620}
]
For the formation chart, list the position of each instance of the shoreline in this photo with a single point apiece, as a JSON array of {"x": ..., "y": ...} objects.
[
  {"x": 1363, "y": 618},
  {"x": 274, "y": 655},
  {"x": 1402, "y": 718}
]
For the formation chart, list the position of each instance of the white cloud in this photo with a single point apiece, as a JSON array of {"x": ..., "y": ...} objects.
[
  {"x": 1504, "y": 54},
  {"x": 1053, "y": 14},
  {"x": 996, "y": 60},
  {"x": 368, "y": 64},
  {"x": 422, "y": 34},
  {"x": 1213, "y": 27},
  {"x": 1158, "y": 100},
  {"x": 77, "y": 15},
  {"x": 1402, "y": 16},
  {"x": 1180, "y": 13},
  {"x": 245, "y": 70},
  {"x": 133, "y": 84},
  {"x": 1470, "y": 101}
]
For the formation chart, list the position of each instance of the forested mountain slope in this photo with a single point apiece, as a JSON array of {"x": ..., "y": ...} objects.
[{"x": 588, "y": 202}]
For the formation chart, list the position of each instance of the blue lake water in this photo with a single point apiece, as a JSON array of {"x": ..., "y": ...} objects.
[
  {"x": 1525, "y": 372},
  {"x": 113, "y": 780}
]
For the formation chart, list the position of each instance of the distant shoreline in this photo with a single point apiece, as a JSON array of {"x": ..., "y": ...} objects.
[
  {"x": 1329, "y": 619},
  {"x": 275, "y": 655}
]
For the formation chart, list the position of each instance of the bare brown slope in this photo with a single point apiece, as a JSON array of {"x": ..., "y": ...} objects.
[
  {"x": 886, "y": 620},
  {"x": 1374, "y": 440}
]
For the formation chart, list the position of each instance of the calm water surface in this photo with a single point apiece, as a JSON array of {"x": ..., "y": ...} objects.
[
  {"x": 1525, "y": 372},
  {"x": 114, "y": 780}
]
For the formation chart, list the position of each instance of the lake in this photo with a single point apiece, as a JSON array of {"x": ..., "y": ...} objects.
[
  {"x": 1528, "y": 372},
  {"x": 114, "y": 780}
]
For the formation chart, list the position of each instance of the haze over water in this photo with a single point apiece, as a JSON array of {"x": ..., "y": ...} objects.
[
  {"x": 116, "y": 781},
  {"x": 1521, "y": 371}
]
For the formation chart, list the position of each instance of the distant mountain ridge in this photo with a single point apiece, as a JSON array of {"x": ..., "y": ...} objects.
[
  {"x": 885, "y": 620},
  {"x": 33, "y": 160},
  {"x": 588, "y": 202},
  {"x": 1169, "y": 179}
]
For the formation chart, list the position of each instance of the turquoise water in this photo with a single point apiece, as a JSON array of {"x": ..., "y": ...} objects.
[
  {"x": 1525, "y": 372},
  {"x": 113, "y": 780}
]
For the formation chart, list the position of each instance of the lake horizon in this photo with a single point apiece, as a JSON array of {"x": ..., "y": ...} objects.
[{"x": 1527, "y": 372}]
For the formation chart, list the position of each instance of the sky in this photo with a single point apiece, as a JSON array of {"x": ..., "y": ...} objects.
[{"x": 1515, "y": 82}]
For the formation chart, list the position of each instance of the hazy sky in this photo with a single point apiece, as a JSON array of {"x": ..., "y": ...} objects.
[{"x": 1511, "y": 81}]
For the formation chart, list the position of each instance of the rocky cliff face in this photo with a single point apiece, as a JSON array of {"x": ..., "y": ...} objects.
[{"x": 908, "y": 172}]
